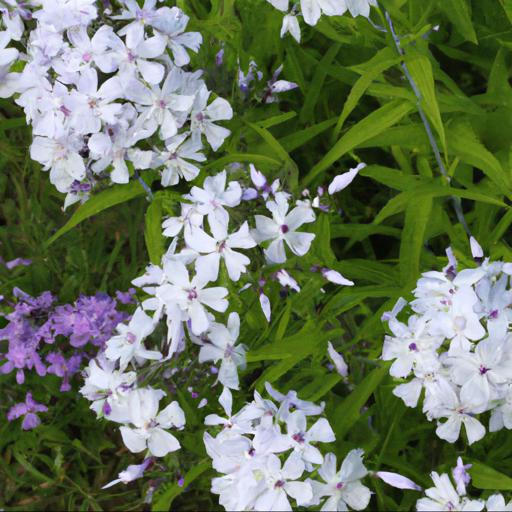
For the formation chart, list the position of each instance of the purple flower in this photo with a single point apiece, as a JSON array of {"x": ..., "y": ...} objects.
[
  {"x": 63, "y": 368},
  {"x": 219, "y": 57},
  {"x": 461, "y": 476},
  {"x": 126, "y": 297},
  {"x": 18, "y": 262},
  {"x": 28, "y": 409},
  {"x": 90, "y": 319}
]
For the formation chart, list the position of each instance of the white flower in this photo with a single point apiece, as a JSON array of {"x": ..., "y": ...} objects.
[
  {"x": 63, "y": 14},
  {"x": 343, "y": 487},
  {"x": 300, "y": 438},
  {"x": 90, "y": 106},
  {"x": 214, "y": 196},
  {"x": 173, "y": 25},
  {"x": 203, "y": 118},
  {"x": 282, "y": 5},
  {"x": 131, "y": 473},
  {"x": 282, "y": 228},
  {"x": 496, "y": 503},
  {"x": 133, "y": 57},
  {"x": 220, "y": 246},
  {"x": 458, "y": 411},
  {"x": 191, "y": 295},
  {"x": 292, "y": 401},
  {"x": 480, "y": 373},
  {"x": 115, "y": 147},
  {"x": 107, "y": 389},
  {"x": 149, "y": 424},
  {"x": 344, "y": 180},
  {"x": 12, "y": 14},
  {"x": 85, "y": 52},
  {"x": 360, "y": 7},
  {"x": 219, "y": 343},
  {"x": 61, "y": 157},
  {"x": 337, "y": 359},
  {"x": 160, "y": 107},
  {"x": 188, "y": 219},
  {"x": 281, "y": 483},
  {"x": 335, "y": 277},
  {"x": 411, "y": 345},
  {"x": 312, "y": 9},
  {"x": 232, "y": 424},
  {"x": 444, "y": 497},
  {"x": 127, "y": 345},
  {"x": 287, "y": 280},
  {"x": 291, "y": 25},
  {"x": 180, "y": 149}
]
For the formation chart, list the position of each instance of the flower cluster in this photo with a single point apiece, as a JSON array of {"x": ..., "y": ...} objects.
[
  {"x": 456, "y": 346},
  {"x": 447, "y": 496},
  {"x": 312, "y": 10},
  {"x": 50, "y": 339},
  {"x": 115, "y": 395},
  {"x": 106, "y": 93},
  {"x": 265, "y": 450},
  {"x": 185, "y": 289}
]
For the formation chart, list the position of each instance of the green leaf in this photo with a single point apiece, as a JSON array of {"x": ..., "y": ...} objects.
[
  {"x": 322, "y": 242},
  {"x": 112, "y": 196},
  {"x": 296, "y": 140},
  {"x": 372, "y": 125},
  {"x": 421, "y": 70},
  {"x": 400, "y": 202},
  {"x": 383, "y": 60},
  {"x": 484, "y": 477},
  {"x": 153, "y": 236},
  {"x": 272, "y": 142},
  {"x": 464, "y": 143},
  {"x": 163, "y": 501},
  {"x": 348, "y": 411},
  {"x": 507, "y": 7},
  {"x": 275, "y": 120},
  {"x": 458, "y": 13},
  {"x": 314, "y": 89},
  {"x": 417, "y": 216}
]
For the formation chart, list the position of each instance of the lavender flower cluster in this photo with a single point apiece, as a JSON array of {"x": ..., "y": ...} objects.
[{"x": 50, "y": 339}]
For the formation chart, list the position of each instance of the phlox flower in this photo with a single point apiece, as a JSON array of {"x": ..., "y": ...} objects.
[
  {"x": 190, "y": 296},
  {"x": 300, "y": 437},
  {"x": 220, "y": 245},
  {"x": 343, "y": 488},
  {"x": 215, "y": 196},
  {"x": 150, "y": 426},
  {"x": 282, "y": 228},
  {"x": 175, "y": 160},
  {"x": 61, "y": 157},
  {"x": 204, "y": 116},
  {"x": 458, "y": 409},
  {"x": 133, "y": 57},
  {"x": 218, "y": 343},
  {"x": 281, "y": 483},
  {"x": 290, "y": 401},
  {"x": 162, "y": 108},
  {"x": 128, "y": 346},
  {"x": 28, "y": 409},
  {"x": 107, "y": 389},
  {"x": 443, "y": 496}
]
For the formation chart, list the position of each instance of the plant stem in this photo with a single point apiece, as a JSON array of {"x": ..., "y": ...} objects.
[{"x": 433, "y": 143}]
